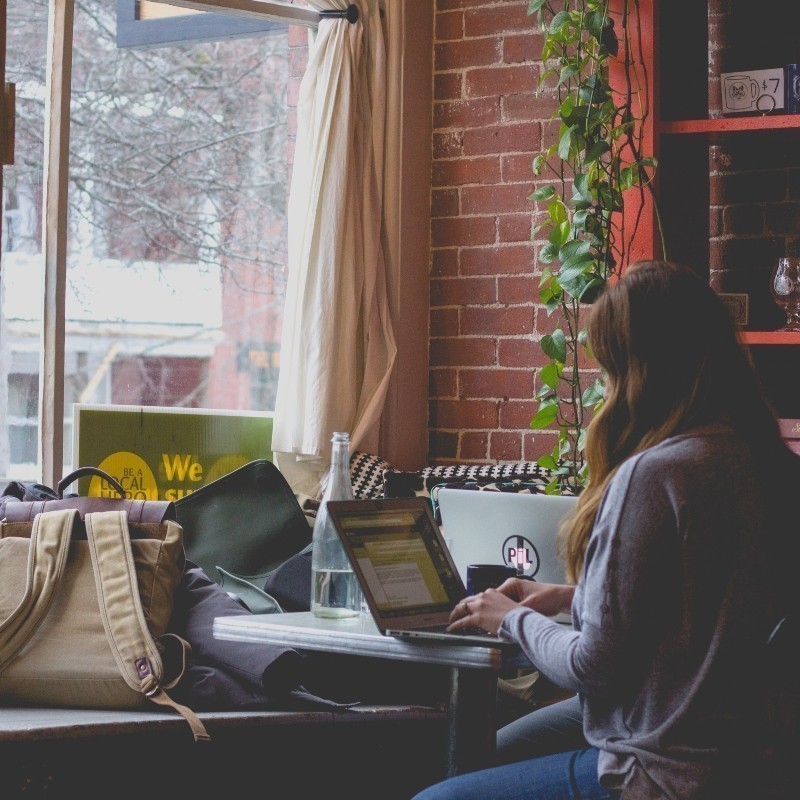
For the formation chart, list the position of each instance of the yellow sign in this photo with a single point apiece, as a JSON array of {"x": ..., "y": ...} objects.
[{"x": 158, "y": 453}]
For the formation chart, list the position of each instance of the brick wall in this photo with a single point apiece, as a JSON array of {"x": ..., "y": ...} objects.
[{"x": 485, "y": 322}]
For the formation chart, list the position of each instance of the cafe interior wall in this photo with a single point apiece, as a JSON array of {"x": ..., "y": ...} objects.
[
  {"x": 485, "y": 322},
  {"x": 488, "y": 124}
]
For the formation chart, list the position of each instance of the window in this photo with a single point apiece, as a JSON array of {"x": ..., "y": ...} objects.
[
  {"x": 118, "y": 252},
  {"x": 179, "y": 160}
]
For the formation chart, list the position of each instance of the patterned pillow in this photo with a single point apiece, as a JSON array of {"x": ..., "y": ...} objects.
[
  {"x": 522, "y": 476},
  {"x": 409, "y": 484},
  {"x": 366, "y": 475}
]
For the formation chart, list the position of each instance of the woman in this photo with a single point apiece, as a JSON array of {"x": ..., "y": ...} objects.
[{"x": 680, "y": 551}]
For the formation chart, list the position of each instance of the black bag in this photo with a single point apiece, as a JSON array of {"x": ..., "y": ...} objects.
[{"x": 241, "y": 527}]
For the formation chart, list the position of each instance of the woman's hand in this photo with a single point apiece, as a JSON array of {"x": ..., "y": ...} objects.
[
  {"x": 487, "y": 609},
  {"x": 546, "y": 598},
  {"x": 483, "y": 610}
]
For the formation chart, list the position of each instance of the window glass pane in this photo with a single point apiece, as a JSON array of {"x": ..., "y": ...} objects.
[
  {"x": 180, "y": 160},
  {"x": 20, "y": 252}
]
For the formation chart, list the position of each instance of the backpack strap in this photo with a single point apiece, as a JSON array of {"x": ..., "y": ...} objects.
[
  {"x": 132, "y": 644},
  {"x": 47, "y": 557}
]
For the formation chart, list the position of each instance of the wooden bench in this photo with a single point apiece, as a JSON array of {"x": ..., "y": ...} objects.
[{"x": 365, "y": 752}]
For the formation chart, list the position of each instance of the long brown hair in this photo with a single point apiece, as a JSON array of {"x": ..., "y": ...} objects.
[{"x": 672, "y": 361}]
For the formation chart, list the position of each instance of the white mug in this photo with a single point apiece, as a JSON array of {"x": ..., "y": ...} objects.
[{"x": 741, "y": 92}]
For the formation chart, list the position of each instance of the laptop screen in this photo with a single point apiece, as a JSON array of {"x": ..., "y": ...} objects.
[{"x": 402, "y": 561}]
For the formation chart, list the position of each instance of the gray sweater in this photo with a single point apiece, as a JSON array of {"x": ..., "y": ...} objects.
[{"x": 670, "y": 619}]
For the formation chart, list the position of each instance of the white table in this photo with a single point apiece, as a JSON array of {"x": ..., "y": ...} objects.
[{"x": 473, "y": 669}]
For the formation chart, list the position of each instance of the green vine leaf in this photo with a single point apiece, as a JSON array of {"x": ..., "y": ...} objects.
[
  {"x": 596, "y": 158},
  {"x": 550, "y": 374},
  {"x": 543, "y": 193},
  {"x": 545, "y": 416},
  {"x": 559, "y": 26},
  {"x": 594, "y": 90},
  {"x": 554, "y": 345},
  {"x": 593, "y": 394},
  {"x": 567, "y": 142}
]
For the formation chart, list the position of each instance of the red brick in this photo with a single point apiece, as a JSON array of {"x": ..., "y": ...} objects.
[
  {"x": 462, "y": 55},
  {"x": 517, "y": 352},
  {"x": 482, "y": 22},
  {"x": 297, "y": 36},
  {"x": 524, "y": 107},
  {"x": 462, "y": 352},
  {"x": 449, "y": 144},
  {"x": 714, "y": 222},
  {"x": 499, "y": 383},
  {"x": 746, "y": 220},
  {"x": 500, "y": 139},
  {"x": 443, "y": 383},
  {"x": 515, "y": 227},
  {"x": 493, "y": 81},
  {"x": 498, "y": 321},
  {"x": 293, "y": 94},
  {"x": 519, "y": 289},
  {"x": 462, "y": 171},
  {"x": 474, "y": 445},
  {"x": 467, "y": 113},
  {"x": 545, "y": 323},
  {"x": 550, "y": 132},
  {"x": 463, "y": 291},
  {"x": 444, "y": 262},
  {"x": 462, "y": 230},
  {"x": 444, "y": 203},
  {"x": 517, "y": 414},
  {"x": 517, "y": 168},
  {"x": 447, "y": 85},
  {"x": 538, "y": 358},
  {"x": 298, "y": 58},
  {"x": 449, "y": 5},
  {"x": 463, "y": 414},
  {"x": 489, "y": 6},
  {"x": 503, "y": 260},
  {"x": 444, "y": 444},
  {"x": 523, "y": 48},
  {"x": 444, "y": 322},
  {"x": 449, "y": 25},
  {"x": 506, "y": 446},
  {"x": 536, "y": 445},
  {"x": 494, "y": 199}
]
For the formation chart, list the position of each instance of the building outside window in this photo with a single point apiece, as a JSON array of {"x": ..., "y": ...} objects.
[{"x": 180, "y": 150}]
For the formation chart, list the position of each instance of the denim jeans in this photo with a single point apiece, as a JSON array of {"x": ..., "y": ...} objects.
[
  {"x": 547, "y": 730},
  {"x": 562, "y": 776}
]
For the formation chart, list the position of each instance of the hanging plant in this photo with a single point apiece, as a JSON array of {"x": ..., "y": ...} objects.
[{"x": 596, "y": 158}]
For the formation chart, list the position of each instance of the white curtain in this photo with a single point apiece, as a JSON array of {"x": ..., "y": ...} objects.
[{"x": 338, "y": 346}]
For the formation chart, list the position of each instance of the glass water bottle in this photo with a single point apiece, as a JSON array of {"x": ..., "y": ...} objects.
[{"x": 334, "y": 587}]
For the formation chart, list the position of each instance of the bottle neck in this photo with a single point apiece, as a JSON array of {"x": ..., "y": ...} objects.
[{"x": 339, "y": 485}]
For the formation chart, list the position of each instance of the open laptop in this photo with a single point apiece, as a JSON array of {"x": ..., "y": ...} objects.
[
  {"x": 407, "y": 575},
  {"x": 518, "y": 529}
]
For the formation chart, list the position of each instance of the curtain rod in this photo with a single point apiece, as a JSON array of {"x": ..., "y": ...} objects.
[
  {"x": 271, "y": 9},
  {"x": 350, "y": 13}
]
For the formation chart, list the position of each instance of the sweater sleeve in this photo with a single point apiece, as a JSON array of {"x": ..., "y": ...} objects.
[{"x": 621, "y": 591}]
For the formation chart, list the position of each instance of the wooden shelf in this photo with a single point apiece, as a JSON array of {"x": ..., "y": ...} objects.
[
  {"x": 770, "y": 337},
  {"x": 730, "y": 124}
]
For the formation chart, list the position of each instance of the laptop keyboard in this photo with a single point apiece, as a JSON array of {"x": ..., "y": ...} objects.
[{"x": 473, "y": 630}]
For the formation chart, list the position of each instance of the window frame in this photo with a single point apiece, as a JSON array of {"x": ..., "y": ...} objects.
[
  {"x": 138, "y": 33},
  {"x": 402, "y": 438}
]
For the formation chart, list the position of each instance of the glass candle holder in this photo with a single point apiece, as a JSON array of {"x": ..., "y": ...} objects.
[{"x": 785, "y": 288}]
